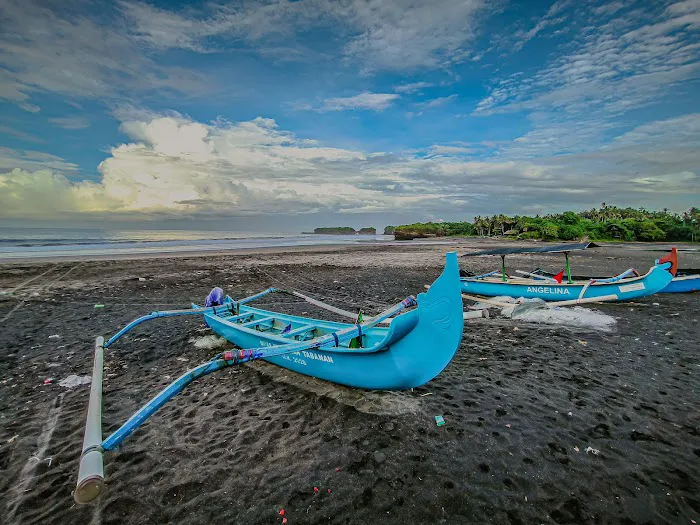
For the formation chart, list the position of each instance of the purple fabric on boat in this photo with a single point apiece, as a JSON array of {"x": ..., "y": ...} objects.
[{"x": 215, "y": 297}]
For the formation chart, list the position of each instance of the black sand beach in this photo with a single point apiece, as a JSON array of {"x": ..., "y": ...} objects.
[{"x": 544, "y": 424}]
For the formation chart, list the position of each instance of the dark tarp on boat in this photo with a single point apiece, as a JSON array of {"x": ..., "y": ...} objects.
[{"x": 557, "y": 248}]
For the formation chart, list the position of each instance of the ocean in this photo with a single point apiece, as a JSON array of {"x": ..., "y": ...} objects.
[{"x": 21, "y": 243}]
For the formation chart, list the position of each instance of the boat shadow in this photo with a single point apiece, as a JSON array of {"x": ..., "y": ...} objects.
[{"x": 376, "y": 402}]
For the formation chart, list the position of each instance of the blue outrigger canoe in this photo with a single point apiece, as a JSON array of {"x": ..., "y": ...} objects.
[
  {"x": 415, "y": 347},
  {"x": 685, "y": 281},
  {"x": 499, "y": 283}
]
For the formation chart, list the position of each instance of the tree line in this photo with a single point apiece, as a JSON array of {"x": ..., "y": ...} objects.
[{"x": 606, "y": 223}]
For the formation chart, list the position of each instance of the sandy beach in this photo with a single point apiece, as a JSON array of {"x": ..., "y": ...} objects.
[{"x": 544, "y": 424}]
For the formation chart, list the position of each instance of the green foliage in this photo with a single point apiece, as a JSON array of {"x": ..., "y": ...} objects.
[
  {"x": 433, "y": 229},
  {"x": 367, "y": 231},
  {"x": 345, "y": 230},
  {"x": 607, "y": 223},
  {"x": 389, "y": 230}
]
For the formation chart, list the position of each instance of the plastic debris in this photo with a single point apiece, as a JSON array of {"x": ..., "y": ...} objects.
[
  {"x": 577, "y": 449},
  {"x": 508, "y": 425},
  {"x": 142, "y": 279},
  {"x": 54, "y": 336},
  {"x": 13, "y": 438},
  {"x": 284, "y": 520},
  {"x": 99, "y": 306},
  {"x": 48, "y": 380},
  {"x": 569, "y": 414},
  {"x": 439, "y": 420},
  {"x": 591, "y": 450},
  {"x": 209, "y": 342},
  {"x": 315, "y": 489},
  {"x": 73, "y": 380},
  {"x": 582, "y": 342},
  {"x": 426, "y": 394},
  {"x": 655, "y": 304},
  {"x": 337, "y": 469},
  {"x": 282, "y": 512},
  {"x": 329, "y": 491}
]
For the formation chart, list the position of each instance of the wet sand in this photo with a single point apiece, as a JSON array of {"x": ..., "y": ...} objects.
[{"x": 543, "y": 424}]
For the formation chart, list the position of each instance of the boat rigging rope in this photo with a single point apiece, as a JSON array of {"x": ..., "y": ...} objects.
[
  {"x": 25, "y": 283},
  {"x": 42, "y": 288},
  {"x": 368, "y": 303}
]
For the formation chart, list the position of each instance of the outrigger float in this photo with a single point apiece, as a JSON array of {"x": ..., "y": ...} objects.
[
  {"x": 416, "y": 346},
  {"x": 562, "y": 287}
]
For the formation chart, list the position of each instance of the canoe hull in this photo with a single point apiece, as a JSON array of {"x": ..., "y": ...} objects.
[
  {"x": 656, "y": 280},
  {"x": 414, "y": 349},
  {"x": 683, "y": 284}
]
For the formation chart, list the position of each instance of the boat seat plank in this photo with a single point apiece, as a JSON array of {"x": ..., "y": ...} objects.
[
  {"x": 256, "y": 322},
  {"x": 238, "y": 317},
  {"x": 299, "y": 331}
]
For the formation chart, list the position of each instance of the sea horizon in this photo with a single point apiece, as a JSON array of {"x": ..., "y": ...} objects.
[{"x": 33, "y": 242}]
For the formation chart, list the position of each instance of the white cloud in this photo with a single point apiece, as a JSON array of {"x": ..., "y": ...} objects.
[
  {"x": 366, "y": 100},
  {"x": 409, "y": 34},
  {"x": 70, "y": 122},
  {"x": 43, "y": 48},
  {"x": 33, "y": 160},
  {"x": 412, "y": 87},
  {"x": 31, "y": 108},
  {"x": 8, "y": 130},
  {"x": 438, "y": 102},
  {"x": 379, "y": 34},
  {"x": 623, "y": 64},
  {"x": 548, "y": 20},
  {"x": 667, "y": 181},
  {"x": 174, "y": 166},
  {"x": 451, "y": 150}
]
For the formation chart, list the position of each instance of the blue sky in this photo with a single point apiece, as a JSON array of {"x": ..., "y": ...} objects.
[{"x": 270, "y": 115}]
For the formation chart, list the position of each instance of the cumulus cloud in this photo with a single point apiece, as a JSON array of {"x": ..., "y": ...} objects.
[{"x": 173, "y": 166}]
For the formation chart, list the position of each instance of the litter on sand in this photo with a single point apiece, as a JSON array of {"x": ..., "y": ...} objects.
[
  {"x": 538, "y": 311},
  {"x": 439, "y": 420},
  {"x": 73, "y": 380},
  {"x": 209, "y": 342},
  {"x": 591, "y": 450},
  {"x": 99, "y": 306},
  {"x": 54, "y": 336}
]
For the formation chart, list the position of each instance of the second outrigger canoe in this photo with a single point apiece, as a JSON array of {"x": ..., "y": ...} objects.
[
  {"x": 416, "y": 346},
  {"x": 499, "y": 283},
  {"x": 685, "y": 281}
]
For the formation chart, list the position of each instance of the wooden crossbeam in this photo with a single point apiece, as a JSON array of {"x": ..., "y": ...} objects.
[{"x": 256, "y": 322}]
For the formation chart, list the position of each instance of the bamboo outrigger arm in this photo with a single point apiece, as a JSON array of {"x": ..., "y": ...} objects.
[{"x": 91, "y": 473}]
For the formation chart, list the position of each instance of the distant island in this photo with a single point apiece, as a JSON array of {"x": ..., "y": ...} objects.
[
  {"x": 389, "y": 230},
  {"x": 345, "y": 230},
  {"x": 607, "y": 223}
]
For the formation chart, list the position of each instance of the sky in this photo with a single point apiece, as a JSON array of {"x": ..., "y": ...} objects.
[{"x": 285, "y": 115}]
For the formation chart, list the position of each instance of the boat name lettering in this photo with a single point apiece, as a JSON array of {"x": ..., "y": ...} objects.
[
  {"x": 317, "y": 357},
  {"x": 547, "y": 289}
]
